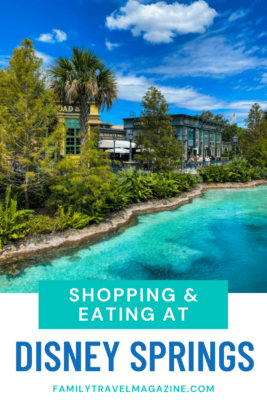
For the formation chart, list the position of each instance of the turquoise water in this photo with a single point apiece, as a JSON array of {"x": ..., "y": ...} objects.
[{"x": 222, "y": 235}]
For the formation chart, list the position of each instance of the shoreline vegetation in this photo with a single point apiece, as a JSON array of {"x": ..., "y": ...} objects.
[
  {"x": 32, "y": 247},
  {"x": 75, "y": 210},
  {"x": 49, "y": 199}
]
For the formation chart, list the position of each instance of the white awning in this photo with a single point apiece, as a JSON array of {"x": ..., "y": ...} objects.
[
  {"x": 140, "y": 150},
  {"x": 109, "y": 144},
  {"x": 118, "y": 151}
]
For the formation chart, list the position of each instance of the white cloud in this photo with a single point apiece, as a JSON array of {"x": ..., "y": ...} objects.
[
  {"x": 111, "y": 46},
  {"x": 59, "y": 35},
  {"x": 243, "y": 106},
  {"x": 4, "y": 60},
  {"x": 264, "y": 78},
  {"x": 133, "y": 88},
  {"x": 238, "y": 14},
  {"x": 259, "y": 20},
  {"x": 46, "y": 37},
  {"x": 212, "y": 56},
  {"x": 56, "y": 36},
  {"x": 47, "y": 60},
  {"x": 255, "y": 88},
  {"x": 252, "y": 50},
  {"x": 161, "y": 22}
]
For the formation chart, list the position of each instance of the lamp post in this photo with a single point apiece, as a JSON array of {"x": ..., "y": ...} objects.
[
  {"x": 235, "y": 141},
  {"x": 114, "y": 141},
  {"x": 130, "y": 138}
]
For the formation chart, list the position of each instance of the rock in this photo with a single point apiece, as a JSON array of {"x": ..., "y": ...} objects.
[{"x": 111, "y": 222}]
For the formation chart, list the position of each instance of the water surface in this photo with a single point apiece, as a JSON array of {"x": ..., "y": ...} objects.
[{"x": 222, "y": 235}]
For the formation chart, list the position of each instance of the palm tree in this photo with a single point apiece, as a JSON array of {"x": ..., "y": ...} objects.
[{"x": 81, "y": 78}]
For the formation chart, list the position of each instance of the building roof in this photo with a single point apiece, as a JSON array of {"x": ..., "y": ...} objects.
[
  {"x": 183, "y": 116},
  {"x": 105, "y": 122},
  {"x": 113, "y": 130},
  {"x": 117, "y": 127}
]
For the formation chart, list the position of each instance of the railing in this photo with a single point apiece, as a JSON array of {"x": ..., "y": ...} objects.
[
  {"x": 196, "y": 165},
  {"x": 116, "y": 168},
  {"x": 186, "y": 166}
]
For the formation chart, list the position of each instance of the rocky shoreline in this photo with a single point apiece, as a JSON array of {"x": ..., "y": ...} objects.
[{"x": 29, "y": 247}]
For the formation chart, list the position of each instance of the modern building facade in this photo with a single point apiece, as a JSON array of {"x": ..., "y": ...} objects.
[{"x": 199, "y": 136}]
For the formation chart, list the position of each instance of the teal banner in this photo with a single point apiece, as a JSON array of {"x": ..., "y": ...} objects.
[{"x": 133, "y": 305}]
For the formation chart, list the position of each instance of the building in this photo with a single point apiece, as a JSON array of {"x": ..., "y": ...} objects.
[
  {"x": 227, "y": 146},
  {"x": 71, "y": 115},
  {"x": 199, "y": 136}
]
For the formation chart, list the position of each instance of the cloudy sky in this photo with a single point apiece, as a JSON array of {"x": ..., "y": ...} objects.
[{"x": 201, "y": 54}]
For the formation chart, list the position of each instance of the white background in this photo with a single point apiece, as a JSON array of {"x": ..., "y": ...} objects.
[{"x": 19, "y": 322}]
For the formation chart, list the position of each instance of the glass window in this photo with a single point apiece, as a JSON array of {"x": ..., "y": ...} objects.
[
  {"x": 73, "y": 141},
  {"x": 185, "y": 131},
  {"x": 190, "y": 137},
  {"x": 197, "y": 138},
  {"x": 212, "y": 143},
  {"x": 200, "y": 142},
  {"x": 218, "y": 145},
  {"x": 218, "y": 149},
  {"x": 206, "y": 139}
]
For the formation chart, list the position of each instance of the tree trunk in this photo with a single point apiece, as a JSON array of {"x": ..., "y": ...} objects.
[
  {"x": 26, "y": 193},
  {"x": 84, "y": 119}
]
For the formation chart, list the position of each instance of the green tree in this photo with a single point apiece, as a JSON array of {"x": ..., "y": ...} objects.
[
  {"x": 28, "y": 115},
  {"x": 83, "y": 78},
  {"x": 156, "y": 141},
  {"x": 228, "y": 130},
  {"x": 80, "y": 183},
  {"x": 253, "y": 139}
]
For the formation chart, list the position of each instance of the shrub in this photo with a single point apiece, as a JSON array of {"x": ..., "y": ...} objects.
[
  {"x": 235, "y": 171},
  {"x": 241, "y": 171},
  {"x": 41, "y": 224},
  {"x": 14, "y": 224},
  {"x": 71, "y": 219},
  {"x": 37, "y": 198},
  {"x": 137, "y": 185},
  {"x": 115, "y": 199},
  {"x": 199, "y": 178},
  {"x": 262, "y": 172},
  {"x": 184, "y": 181},
  {"x": 214, "y": 173},
  {"x": 163, "y": 187}
]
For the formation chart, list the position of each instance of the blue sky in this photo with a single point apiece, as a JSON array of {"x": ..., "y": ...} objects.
[{"x": 201, "y": 54}]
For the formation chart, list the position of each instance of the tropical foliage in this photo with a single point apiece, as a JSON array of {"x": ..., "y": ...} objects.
[
  {"x": 71, "y": 193},
  {"x": 71, "y": 219},
  {"x": 83, "y": 78},
  {"x": 235, "y": 171},
  {"x": 13, "y": 223},
  {"x": 115, "y": 194}
]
